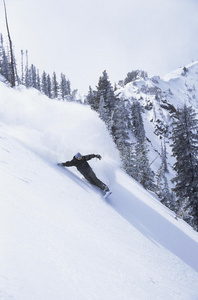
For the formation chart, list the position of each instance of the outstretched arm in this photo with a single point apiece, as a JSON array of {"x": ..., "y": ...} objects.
[
  {"x": 67, "y": 164},
  {"x": 90, "y": 156}
]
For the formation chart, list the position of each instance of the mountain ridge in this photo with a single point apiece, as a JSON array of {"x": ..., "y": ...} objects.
[{"x": 160, "y": 98}]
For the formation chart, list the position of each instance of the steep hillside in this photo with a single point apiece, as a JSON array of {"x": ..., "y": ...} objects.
[
  {"x": 159, "y": 99},
  {"x": 59, "y": 238}
]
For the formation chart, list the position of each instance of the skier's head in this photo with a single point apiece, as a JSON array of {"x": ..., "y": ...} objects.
[{"x": 78, "y": 156}]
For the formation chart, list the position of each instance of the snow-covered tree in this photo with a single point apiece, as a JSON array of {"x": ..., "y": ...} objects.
[
  {"x": 164, "y": 157},
  {"x": 44, "y": 84},
  {"x": 185, "y": 151},
  {"x": 91, "y": 99},
  {"x": 4, "y": 61},
  {"x": 22, "y": 68},
  {"x": 32, "y": 72},
  {"x": 65, "y": 87},
  {"x": 162, "y": 187},
  {"x": 130, "y": 162},
  {"x": 104, "y": 96},
  {"x": 131, "y": 76},
  {"x": 49, "y": 86},
  {"x": 120, "y": 131},
  {"x": 103, "y": 111},
  {"x": 27, "y": 73},
  {"x": 55, "y": 87},
  {"x": 38, "y": 81},
  {"x": 145, "y": 175}
]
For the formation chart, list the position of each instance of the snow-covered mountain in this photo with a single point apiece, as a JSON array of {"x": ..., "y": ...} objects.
[
  {"x": 59, "y": 238},
  {"x": 160, "y": 98}
]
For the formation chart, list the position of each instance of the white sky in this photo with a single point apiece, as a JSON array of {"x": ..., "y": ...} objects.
[{"x": 82, "y": 38}]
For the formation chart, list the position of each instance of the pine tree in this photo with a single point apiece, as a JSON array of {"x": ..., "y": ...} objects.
[
  {"x": 185, "y": 151},
  {"x": 162, "y": 188},
  {"x": 38, "y": 81},
  {"x": 120, "y": 131},
  {"x": 103, "y": 114},
  {"x": 137, "y": 121},
  {"x": 130, "y": 163},
  {"x": 49, "y": 86},
  {"x": 164, "y": 157},
  {"x": 27, "y": 74},
  {"x": 68, "y": 87},
  {"x": 65, "y": 87},
  {"x": 145, "y": 175},
  {"x": 32, "y": 76},
  {"x": 131, "y": 76},
  {"x": 105, "y": 96},
  {"x": 22, "y": 68},
  {"x": 55, "y": 87},
  {"x": 4, "y": 62},
  {"x": 91, "y": 99},
  {"x": 44, "y": 85}
]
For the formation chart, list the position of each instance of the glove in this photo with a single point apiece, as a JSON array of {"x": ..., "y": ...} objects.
[{"x": 99, "y": 156}]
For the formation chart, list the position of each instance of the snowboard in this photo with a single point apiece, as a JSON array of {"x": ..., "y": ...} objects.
[{"x": 107, "y": 194}]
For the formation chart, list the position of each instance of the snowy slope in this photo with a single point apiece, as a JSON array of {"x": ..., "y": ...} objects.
[{"x": 59, "y": 238}]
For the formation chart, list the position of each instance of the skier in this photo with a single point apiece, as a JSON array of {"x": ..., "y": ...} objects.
[{"x": 80, "y": 162}]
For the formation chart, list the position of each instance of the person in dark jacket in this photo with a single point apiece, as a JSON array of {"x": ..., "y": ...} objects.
[{"x": 80, "y": 162}]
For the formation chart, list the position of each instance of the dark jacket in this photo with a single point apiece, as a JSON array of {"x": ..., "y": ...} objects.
[{"x": 82, "y": 164}]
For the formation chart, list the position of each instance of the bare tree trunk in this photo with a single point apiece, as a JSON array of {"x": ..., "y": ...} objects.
[
  {"x": 22, "y": 68},
  {"x": 11, "y": 51}
]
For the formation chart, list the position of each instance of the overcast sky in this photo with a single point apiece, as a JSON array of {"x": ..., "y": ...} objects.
[{"x": 82, "y": 38}]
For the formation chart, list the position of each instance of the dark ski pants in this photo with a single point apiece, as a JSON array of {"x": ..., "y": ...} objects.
[{"x": 91, "y": 177}]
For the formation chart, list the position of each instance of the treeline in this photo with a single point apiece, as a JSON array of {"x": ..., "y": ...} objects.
[
  {"x": 49, "y": 86},
  {"x": 30, "y": 76}
]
